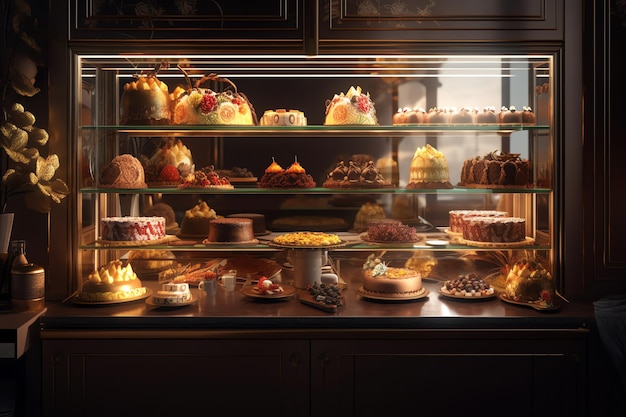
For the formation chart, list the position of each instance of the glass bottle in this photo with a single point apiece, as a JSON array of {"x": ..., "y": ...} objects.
[{"x": 27, "y": 281}]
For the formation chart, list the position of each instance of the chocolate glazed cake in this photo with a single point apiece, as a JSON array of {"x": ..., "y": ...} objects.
[{"x": 496, "y": 170}]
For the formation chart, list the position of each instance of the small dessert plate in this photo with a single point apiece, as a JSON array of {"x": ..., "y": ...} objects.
[{"x": 437, "y": 242}]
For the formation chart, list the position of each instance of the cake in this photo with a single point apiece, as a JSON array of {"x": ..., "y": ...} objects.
[
  {"x": 237, "y": 174},
  {"x": 388, "y": 168},
  {"x": 528, "y": 116},
  {"x": 457, "y": 217},
  {"x": 355, "y": 175},
  {"x": 265, "y": 286},
  {"x": 145, "y": 101},
  {"x": 380, "y": 280},
  {"x": 494, "y": 229},
  {"x": 112, "y": 282},
  {"x": 487, "y": 116},
  {"x": 172, "y": 294},
  {"x": 196, "y": 221},
  {"x": 205, "y": 177},
  {"x": 124, "y": 171},
  {"x": 367, "y": 213},
  {"x": 464, "y": 116},
  {"x": 307, "y": 239},
  {"x": 282, "y": 117},
  {"x": 204, "y": 106},
  {"x": 437, "y": 115},
  {"x": 429, "y": 169},
  {"x": 230, "y": 230},
  {"x": 166, "y": 166},
  {"x": 132, "y": 229},
  {"x": 409, "y": 116},
  {"x": 352, "y": 108},
  {"x": 389, "y": 231},
  {"x": 403, "y": 208},
  {"x": 467, "y": 285},
  {"x": 162, "y": 210},
  {"x": 496, "y": 170},
  {"x": 258, "y": 221},
  {"x": 152, "y": 260},
  {"x": 509, "y": 115},
  {"x": 293, "y": 177},
  {"x": 528, "y": 281}
]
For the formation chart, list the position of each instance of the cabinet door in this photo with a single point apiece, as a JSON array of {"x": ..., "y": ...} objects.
[
  {"x": 451, "y": 20},
  {"x": 458, "y": 375},
  {"x": 175, "y": 377},
  {"x": 191, "y": 21}
]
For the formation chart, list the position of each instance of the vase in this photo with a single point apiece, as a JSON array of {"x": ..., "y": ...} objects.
[{"x": 6, "y": 225}]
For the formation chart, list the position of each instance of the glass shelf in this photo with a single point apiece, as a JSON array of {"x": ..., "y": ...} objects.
[
  {"x": 247, "y": 190},
  {"x": 310, "y": 131}
]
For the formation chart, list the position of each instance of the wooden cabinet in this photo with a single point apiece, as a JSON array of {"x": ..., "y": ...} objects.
[
  {"x": 455, "y": 373},
  {"x": 328, "y": 373},
  {"x": 157, "y": 376}
]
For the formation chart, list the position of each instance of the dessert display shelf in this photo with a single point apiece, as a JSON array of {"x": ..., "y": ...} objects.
[{"x": 308, "y": 131}]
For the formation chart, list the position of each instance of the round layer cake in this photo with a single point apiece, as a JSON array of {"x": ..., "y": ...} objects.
[
  {"x": 151, "y": 261},
  {"x": 457, "y": 217},
  {"x": 145, "y": 100},
  {"x": 112, "y": 282},
  {"x": 196, "y": 221},
  {"x": 124, "y": 171},
  {"x": 496, "y": 170},
  {"x": 230, "y": 230},
  {"x": 494, "y": 229},
  {"x": 352, "y": 108},
  {"x": 258, "y": 221},
  {"x": 282, "y": 117},
  {"x": 172, "y": 294},
  {"x": 429, "y": 169},
  {"x": 162, "y": 210},
  {"x": 132, "y": 229},
  {"x": 394, "y": 283}
]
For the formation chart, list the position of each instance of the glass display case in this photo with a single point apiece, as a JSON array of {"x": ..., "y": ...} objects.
[{"x": 307, "y": 83}]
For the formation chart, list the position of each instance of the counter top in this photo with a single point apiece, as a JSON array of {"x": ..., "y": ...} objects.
[
  {"x": 234, "y": 310},
  {"x": 15, "y": 332}
]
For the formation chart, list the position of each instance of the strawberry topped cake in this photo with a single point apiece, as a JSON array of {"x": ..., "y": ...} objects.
[
  {"x": 204, "y": 106},
  {"x": 205, "y": 178}
]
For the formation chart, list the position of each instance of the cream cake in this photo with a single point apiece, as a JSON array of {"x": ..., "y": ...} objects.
[
  {"x": 379, "y": 280},
  {"x": 132, "y": 229},
  {"x": 204, "y": 106},
  {"x": 352, "y": 108},
  {"x": 112, "y": 282},
  {"x": 283, "y": 117},
  {"x": 172, "y": 294},
  {"x": 429, "y": 169}
]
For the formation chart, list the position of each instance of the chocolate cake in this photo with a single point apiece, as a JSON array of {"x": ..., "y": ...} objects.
[{"x": 496, "y": 170}]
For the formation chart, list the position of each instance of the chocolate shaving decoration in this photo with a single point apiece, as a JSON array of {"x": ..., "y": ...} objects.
[
  {"x": 502, "y": 156},
  {"x": 153, "y": 73}
]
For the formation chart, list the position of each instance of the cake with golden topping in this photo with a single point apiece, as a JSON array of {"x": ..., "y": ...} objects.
[
  {"x": 293, "y": 177},
  {"x": 380, "y": 280},
  {"x": 145, "y": 101},
  {"x": 112, "y": 282},
  {"x": 429, "y": 169}
]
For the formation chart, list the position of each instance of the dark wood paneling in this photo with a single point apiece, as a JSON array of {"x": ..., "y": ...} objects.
[
  {"x": 605, "y": 201},
  {"x": 163, "y": 19},
  {"x": 427, "y": 20}
]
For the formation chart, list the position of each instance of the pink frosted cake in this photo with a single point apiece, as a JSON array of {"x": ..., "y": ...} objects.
[{"x": 132, "y": 229}]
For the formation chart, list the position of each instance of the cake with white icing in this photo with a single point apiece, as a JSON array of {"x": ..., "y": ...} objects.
[
  {"x": 132, "y": 229},
  {"x": 172, "y": 294},
  {"x": 352, "y": 108},
  {"x": 283, "y": 117}
]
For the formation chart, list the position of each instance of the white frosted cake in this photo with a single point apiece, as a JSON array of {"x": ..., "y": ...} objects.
[
  {"x": 132, "y": 229},
  {"x": 172, "y": 294},
  {"x": 283, "y": 117}
]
